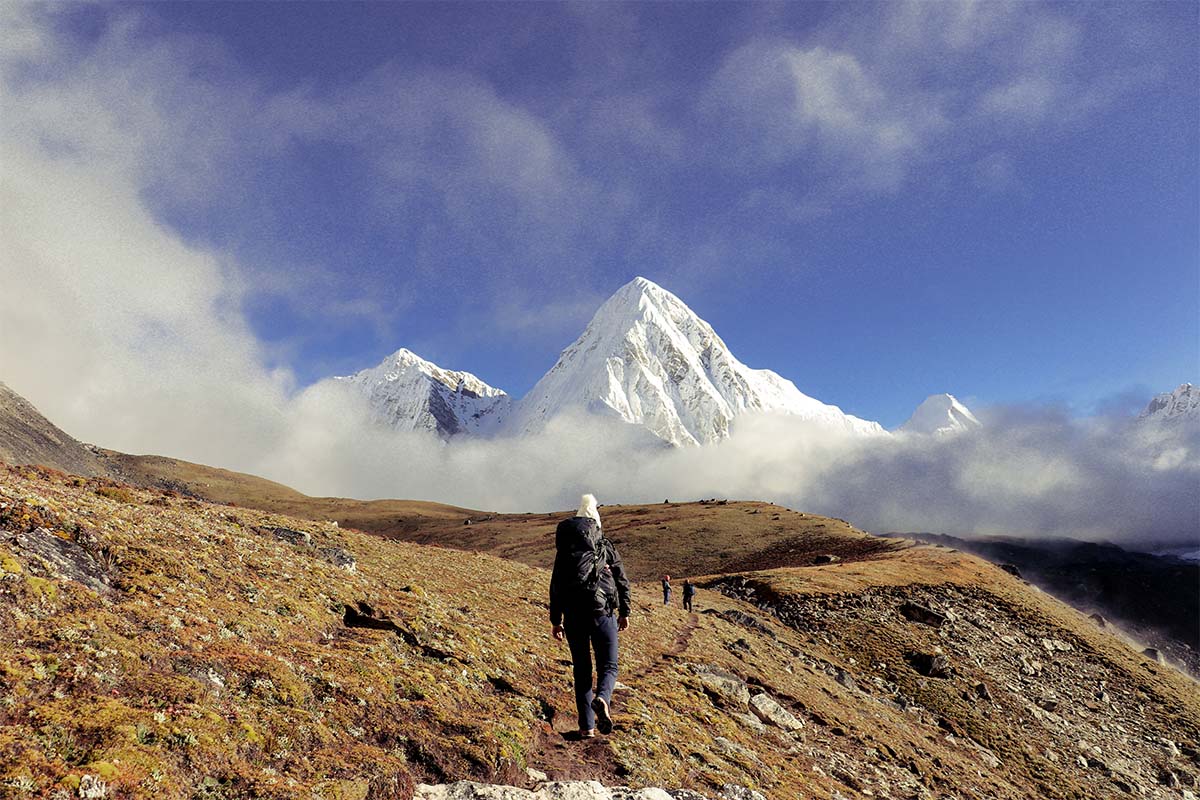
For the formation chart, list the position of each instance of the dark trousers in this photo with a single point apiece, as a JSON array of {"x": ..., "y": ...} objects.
[
  {"x": 687, "y": 602},
  {"x": 585, "y": 634},
  {"x": 666, "y": 596}
]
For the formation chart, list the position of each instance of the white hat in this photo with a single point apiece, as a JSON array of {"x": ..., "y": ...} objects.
[{"x": 588, "y": 508}]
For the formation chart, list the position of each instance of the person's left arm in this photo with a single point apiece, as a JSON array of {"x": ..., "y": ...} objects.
[{"x": 622, "y": 581}]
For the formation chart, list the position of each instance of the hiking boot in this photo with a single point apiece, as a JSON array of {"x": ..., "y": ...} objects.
[
  {"x": 603, "y": 720},
  {"x": 590, "y": 733}
]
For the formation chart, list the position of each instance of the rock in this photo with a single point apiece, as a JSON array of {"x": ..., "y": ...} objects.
[
  {"x": 91, "y": 786},
  {"x": 750, "y": 721},
  {"x": 919, "y": 613},
  {"x": 291, "y": 536},
  {"x": 339, "y": 558},
  {"x": 536, "y": 775},
  {"x": 625, "y": 793},
  {"x": 1011, "y": 569},
  {"x": 766, "y": 709},
  {"x": 1048, "y": 703},
  {"x": 931, "y": 665},
  {"x": 1056, "y": 646},
  {"x": 687, "y": 794},
  {"x": 1099, "y": 620},
  {"x": 732, "y": 791},
  {"x": 845, "y": 679},
  {"x": 1029, "y": 666},
  {"x": 982, "y": 691},
  {"x": 724, "y": 687},
  {"x": 1169, "y": 779},
  {"x": 827, "y": 558},
  {"x": 1081, "y": 761},
  {"x": 66, "y": 559},
  {"x": 1154, "y": 655}
]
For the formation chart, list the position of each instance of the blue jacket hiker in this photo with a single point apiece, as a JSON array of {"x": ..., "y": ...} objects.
[{"x": 589, "y": 603}]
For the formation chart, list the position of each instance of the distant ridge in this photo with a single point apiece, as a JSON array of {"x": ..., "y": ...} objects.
[{"x": 27, "y": 437}]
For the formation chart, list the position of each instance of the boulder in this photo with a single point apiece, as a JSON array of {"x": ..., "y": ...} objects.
[
  {"x": 724, "y": 687},
  {"x": 919, "y": 613},
  {"x": 769, "y": 711},
  {"x": 1154, "y": 655},
  {"x": 826, "y": 558},
  {"x": 931, "y": 665},
  {"x": 65, "y": 559}
]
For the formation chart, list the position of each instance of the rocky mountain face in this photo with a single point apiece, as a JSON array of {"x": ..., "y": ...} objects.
[
  {"x": 940, "y": 415},
  {"x": 408, "y": 393},
  {"x": 27, "y": 437},
  {"x": 647, "y": 359},
  {"x": 1151, "y": 597},
  {"x": 1180, "y": 407}
]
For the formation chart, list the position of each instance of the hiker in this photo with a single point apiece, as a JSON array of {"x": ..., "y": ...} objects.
[
  {"x": 666, "y": 582},
  {"x": 587, "y": 586},
  {"x": 689, "y": 591}
]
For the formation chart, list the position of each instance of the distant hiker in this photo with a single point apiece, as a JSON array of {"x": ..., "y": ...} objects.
[
  {"x": 689, "y": 591},
  {"x": 588, "y": 584},
  {"x": 666, "y": 582}
]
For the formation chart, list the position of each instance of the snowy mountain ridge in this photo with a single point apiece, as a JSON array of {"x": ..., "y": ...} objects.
[
  {"x": 647, "y": 359},
  {"x": 1176, "y": 407},
  {"x": 940, "y": 415},
  {"x": 408, "y": 393}
]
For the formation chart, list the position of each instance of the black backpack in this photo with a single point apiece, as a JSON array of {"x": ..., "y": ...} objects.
[{"x": 588, "y": 557}]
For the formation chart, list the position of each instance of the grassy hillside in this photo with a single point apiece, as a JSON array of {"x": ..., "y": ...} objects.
[
  {"x": 168, "y": 647},
  {"x": 680, "y": 539}
]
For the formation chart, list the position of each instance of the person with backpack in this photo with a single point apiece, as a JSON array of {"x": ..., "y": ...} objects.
[
  {"x": 589, "y": 604},
  {"x": 689, "y": 591}
]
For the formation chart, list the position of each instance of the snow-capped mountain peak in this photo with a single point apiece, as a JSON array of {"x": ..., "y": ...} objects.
[
  {"x": 407, "y": 392},
  {"x": 1181, "y": 404},
  {"x": 647, "y": 359},
  {"x": 941, "y": 414}
]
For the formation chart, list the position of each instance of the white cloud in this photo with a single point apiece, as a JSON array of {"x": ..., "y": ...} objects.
[{"x": 789, "y": 104}]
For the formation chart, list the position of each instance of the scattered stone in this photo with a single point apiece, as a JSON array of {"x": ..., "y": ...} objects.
[
  {"x": 1081, "y": 761},
  {"x": 827, "y": 558},
  {"x": 982, "y": 691},
  {"x": 766, "y": 709},
  {"x": 738, "y": 617},
  {"x": 1169, "y": 779},
  {"x": 625, "y": 793},
  {"x": 1099, "y": 620},
  {"x": 919, "y": 613},
  {"x": 536, "y": 775},
  {"x": 1154, "y": 655},
  {"x": 1048, "y": 703},
  {"x": 1011, "y": 569},
  {"x": 845, "y": 679}
]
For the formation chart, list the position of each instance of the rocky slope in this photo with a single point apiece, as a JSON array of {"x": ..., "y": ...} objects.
[
  {"x": 408, "y": 393},
  {"x": 647, "y": 359},
  {"x": 166, "y": 647},
  {"x": 27, "y": 437}
]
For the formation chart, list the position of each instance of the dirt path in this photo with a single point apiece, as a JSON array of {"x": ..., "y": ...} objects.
[{"x": 560, "y": 752}]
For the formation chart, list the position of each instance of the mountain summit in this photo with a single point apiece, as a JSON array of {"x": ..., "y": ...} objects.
[
  {"x": 408, "y": 393},
  {"x": 1173, "y": 407},
  {"x": 647, "y": 359},
  {"x": 941, "y": 414}
]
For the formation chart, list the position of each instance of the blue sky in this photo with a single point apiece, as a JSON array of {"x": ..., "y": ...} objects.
[{"x": 878, "y": 201}]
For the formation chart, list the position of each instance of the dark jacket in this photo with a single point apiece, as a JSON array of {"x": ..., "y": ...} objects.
[{"x": 575, "y": 540}]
